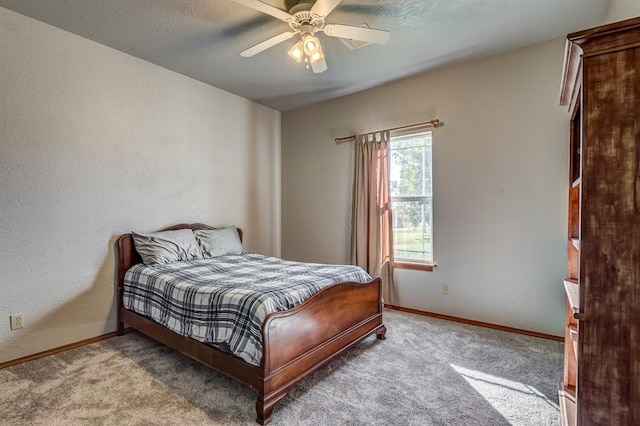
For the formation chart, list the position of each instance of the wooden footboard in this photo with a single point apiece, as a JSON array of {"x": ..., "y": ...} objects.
[
  {"x": 300, "y": 340},
  {"x": 295, "y": 342}
]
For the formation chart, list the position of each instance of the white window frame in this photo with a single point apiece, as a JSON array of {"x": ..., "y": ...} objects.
[{"x": 426, "y": 264}]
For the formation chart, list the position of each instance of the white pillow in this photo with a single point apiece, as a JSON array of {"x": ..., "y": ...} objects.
[
  {"x": 218, "y": 242},
  {"x": 167, "y": 246}
]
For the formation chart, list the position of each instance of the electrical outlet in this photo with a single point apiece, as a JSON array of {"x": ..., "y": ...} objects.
[
  {"x": 16, "y": 321},
  {"x": 445, "y": 288}
]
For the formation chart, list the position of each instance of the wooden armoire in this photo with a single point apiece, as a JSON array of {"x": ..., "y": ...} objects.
[{"x": 601, "y": 87}]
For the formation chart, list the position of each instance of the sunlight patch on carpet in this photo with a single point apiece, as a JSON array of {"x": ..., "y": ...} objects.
[{"x": 507, "y": 396}]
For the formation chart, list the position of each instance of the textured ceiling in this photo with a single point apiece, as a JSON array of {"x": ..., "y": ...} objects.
[{"x": 203, "y": 38}]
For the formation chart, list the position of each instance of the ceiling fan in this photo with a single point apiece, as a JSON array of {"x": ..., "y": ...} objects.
[{"x": 305, "y": 19}]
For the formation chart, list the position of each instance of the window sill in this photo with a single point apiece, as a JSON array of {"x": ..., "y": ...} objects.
[{"x": 415, "y": 265}]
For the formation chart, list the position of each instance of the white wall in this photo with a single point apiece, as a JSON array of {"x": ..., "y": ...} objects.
[
  {"x": 95, "y": 143},
  {"x": 500, "y": 184},
  {"x": 622, "y": 9}
]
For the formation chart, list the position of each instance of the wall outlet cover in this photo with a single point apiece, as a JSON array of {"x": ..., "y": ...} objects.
[{"x": 16, "y": 321}]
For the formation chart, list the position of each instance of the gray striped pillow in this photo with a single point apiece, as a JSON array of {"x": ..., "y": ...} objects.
[
  {"x": 218, "y": 242},
  {"x": 167, "y": 246}
]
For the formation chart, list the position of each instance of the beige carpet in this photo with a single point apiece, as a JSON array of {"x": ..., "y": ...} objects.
[{"x": 427, "y": 372}]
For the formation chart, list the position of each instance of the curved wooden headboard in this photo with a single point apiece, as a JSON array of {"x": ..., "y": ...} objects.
[{"x": 128, "y": 256}]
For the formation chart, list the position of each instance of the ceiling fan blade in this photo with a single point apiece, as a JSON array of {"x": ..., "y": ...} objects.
[
  {"x": 319, "y": 66},
  {"x": 357, "y": 33},
  {"x": 267, "y": 44},
  {"x": 266, "y": 8},
  {"x": 324, "y": 7}
]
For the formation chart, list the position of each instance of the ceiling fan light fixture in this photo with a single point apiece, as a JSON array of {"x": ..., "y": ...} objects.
[
  {"x": 317, "y": 56},
  {"x": 311, "y": 44},
  {"x": 296, "y": 52}
]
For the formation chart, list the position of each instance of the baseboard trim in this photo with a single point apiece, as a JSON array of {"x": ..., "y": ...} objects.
[
  {"x": 478, "y": 323},
  {"x": 61, "y": 348}
]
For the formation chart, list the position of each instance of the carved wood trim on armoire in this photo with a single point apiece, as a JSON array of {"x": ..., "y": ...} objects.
[{"x": 601, "y": 86}]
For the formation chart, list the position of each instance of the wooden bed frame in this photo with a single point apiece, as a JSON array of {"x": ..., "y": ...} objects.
[{"x": 295, "y": 342}]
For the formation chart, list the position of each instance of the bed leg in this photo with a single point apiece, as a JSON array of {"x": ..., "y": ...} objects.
[
  {"x": 381, "y": 334},
  {"x": 120, "y": 329},
  {"x": 265, "y": 405}
]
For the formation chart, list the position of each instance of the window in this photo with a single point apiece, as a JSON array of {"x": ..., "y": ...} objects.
[{"x": 411, "y": 197}]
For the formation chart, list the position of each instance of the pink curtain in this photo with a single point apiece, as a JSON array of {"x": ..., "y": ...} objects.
[{"x": 371, "y": 229}]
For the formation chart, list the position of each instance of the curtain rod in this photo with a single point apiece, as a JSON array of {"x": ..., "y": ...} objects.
[{"x": 433, "y": 123}]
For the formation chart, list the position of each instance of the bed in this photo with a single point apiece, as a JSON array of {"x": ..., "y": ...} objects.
[{"x": 295, "y": 342}]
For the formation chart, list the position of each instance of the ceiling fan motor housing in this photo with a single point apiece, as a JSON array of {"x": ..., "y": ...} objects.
[{"x": 304, "y": 20}]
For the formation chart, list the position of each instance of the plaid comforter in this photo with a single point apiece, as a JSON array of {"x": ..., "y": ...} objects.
[{"x": 225, "y": 300}]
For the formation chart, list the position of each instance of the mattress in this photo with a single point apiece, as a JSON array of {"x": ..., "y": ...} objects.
[{"x": 225, "y": 300}]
